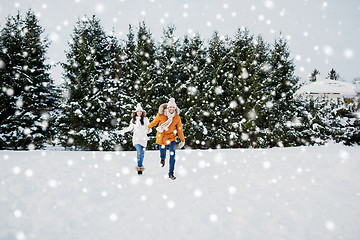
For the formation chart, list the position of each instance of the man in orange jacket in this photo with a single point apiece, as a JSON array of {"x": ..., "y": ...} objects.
[{"x": 169, "y": 125}]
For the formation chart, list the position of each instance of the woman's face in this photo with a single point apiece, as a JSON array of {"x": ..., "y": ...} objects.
[
  {"x": 171, "y": 109},
  {"x": 139, "y": 113}
]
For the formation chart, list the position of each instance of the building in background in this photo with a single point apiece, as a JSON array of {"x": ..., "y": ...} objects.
[{"x": 331, "y": 89}]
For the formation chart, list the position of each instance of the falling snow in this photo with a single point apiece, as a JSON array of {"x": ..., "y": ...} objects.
[
  {"x": 299, "y": 193},
  {"x": 327, "y": 23}
]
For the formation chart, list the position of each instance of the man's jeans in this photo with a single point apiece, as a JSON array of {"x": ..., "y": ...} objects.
[{"x": 172, "y": 147}]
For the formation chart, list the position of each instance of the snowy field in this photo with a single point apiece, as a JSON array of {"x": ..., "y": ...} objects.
[{"x": 280, "y": 193}]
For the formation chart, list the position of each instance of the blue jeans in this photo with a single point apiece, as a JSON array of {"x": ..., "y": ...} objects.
[
  {"x": 172, "y": 147},
  {"x": 140, "y": 154}
]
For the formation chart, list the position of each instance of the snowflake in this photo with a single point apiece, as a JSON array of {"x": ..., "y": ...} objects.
[
  {"x": 125, "y": 170},
  {"x": 219, "y": 90},
  {"x": 232, "y": 190},
  {"x": 330, "y": 225},
  {"x": 17, "y": 213},
  {"x": 269, "y": 4},
  {"x": 20, "y": 236},
  {"x": 233, "y": 104},
  {"x": 328, "y": 50},
  {"x": 29, "y": 173},
  {"x": 16, "y": 170},
  {"x": 348, "y": 53},
  {"x": 149, "y": 181},
  {"x": 266, "y": 164},
  {"x": 53, "y": 183},
  {"x": 100, "y": 8},
  {"x": 171, "y": 204},
  {"x": 2, "y": 64},
  {"x": 213, "y": 217},
  {"x": 197, "y": 193},
  {"x": 113, "y": 217}
]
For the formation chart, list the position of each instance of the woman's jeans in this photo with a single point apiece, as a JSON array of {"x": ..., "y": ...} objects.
[
  {"x": 172, "y": 147},
  {"x": 140, "y": 154}
]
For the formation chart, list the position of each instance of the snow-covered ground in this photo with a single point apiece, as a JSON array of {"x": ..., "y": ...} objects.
[{"x": 279, "y": 193}]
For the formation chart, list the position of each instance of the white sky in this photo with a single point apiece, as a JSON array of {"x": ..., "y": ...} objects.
[{"x": 321, "y": 34}]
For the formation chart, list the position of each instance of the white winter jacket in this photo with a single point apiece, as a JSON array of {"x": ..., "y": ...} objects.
[{"x": 140, "y": 131}]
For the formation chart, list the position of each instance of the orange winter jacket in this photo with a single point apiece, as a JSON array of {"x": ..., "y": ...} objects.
[{"x": 175, "y": 128}]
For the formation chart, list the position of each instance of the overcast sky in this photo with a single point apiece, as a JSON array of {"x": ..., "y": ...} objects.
[{"x": 320, "y": 34}]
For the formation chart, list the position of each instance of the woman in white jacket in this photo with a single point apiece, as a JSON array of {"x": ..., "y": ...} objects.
[{"x": 138, "y": 125}]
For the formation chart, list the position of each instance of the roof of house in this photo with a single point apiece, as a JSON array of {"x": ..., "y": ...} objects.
[{"x": 324, "y": 86}]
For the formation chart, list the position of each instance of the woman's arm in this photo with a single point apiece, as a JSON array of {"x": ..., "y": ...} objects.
[{"x": 127, "y": 129}]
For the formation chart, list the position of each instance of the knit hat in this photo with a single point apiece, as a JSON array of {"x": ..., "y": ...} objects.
[
  {"x": 139, "y": 108},
  {"x": 171, "y": 103}
]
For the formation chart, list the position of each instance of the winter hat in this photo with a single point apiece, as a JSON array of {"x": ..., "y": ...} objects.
[
  {"x": 171, "y": 103},
  {"x": 139, "y": 108}
]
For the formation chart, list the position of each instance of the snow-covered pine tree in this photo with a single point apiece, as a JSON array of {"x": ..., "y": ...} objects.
[
  {"x": 260, "y": 97},
  {"x": 313, "y": 75},
  {"x": 143, "y": 72},
  {"x": 247, "y": 95},
  {"x": 191, "y": 90},
  {"x": 11, "y": 87},
  {"x": 263, "y": 95},
  {"x": 117, "y": 94},
  {"x": 251, "y": 99},
  {"x": 318, "y": 114},
  {"x": 127, "y": 73},
  {"x": 330, "y": 120},
  {"x": 127, "y": 78},
  {"x": 28, "y": 94},
  {"x": 284, "y": 119},
  {"x": 333, "y": 75},
  {"x": 351, "y": 133},
  {"x": 165, "y": 85},
  {"x": 92, "y": 106},
  {"x": 341, "y": 121},
  {"x": 218, "y": 92},
  {"x": 145, "y": 69}
]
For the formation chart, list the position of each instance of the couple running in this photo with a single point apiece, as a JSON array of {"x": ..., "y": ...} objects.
[{"x": 169, "y": 125}]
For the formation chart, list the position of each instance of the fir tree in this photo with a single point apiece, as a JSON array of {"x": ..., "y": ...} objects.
[
  {"x": 246, "y": 90},
  {"x": 351, "y": 134},
  {"x": 169, "y": 56},
  {"x": 318, "y": 119},
  {"x": 28, "y": 95},
  {"x": 144, "y": 73},
  {"x": 128, "y": 74},
  {"x": 222, "y": 84},
  {"x": 93, "y": 105},
  {"x": 333, "y": 75},
  {"x": 330, "y": 120},
  {"x": 145, "y": 68},
  {"x": 191, "y": 89},
  {"x": 127, "y": 78},
  {"x": 282, "y": 117},
  {"x": 313, "y": 75}
]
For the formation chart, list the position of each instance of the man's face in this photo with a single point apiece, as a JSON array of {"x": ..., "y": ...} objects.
[{"x": 171, "y": 109}]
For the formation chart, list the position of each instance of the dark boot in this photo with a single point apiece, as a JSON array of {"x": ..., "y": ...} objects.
[
  {"x": 172, "y": 177},
  {"x": 140, "y": 169},
  {"x": 162, "y": 163}
]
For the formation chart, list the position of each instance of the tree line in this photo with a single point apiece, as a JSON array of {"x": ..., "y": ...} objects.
[{"x": 233, "y": 92}]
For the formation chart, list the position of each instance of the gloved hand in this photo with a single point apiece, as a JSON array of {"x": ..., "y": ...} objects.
[{"x": 181, "y": 144}]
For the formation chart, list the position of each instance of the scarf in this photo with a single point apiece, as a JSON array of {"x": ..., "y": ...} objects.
[
  {"x": 165, "y": 126},
  {"x": 138, "y": 122}
]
